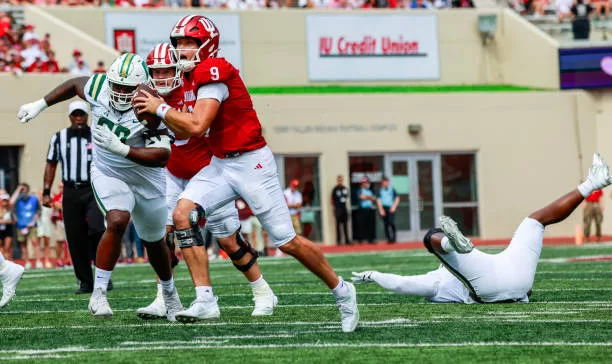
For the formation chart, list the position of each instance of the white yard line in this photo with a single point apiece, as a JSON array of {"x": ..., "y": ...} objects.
[{"x": 81, "y": 349}]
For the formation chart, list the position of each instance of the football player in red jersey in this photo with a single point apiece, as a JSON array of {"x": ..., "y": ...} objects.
[
  {"x": 189, "y": 156},
  {"x": 242, "y": 164}
]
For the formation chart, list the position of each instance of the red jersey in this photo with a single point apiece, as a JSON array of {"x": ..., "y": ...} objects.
[
  {"x": 595, "y": 196},
  {"x": 236, "y": 127},
  {"x": 190, "y": 155}
]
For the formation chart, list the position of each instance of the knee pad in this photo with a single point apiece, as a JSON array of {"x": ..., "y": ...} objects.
[
  {"x": 189, "y": 237},
  {"x": 174, "y": 261},
  {"x": 223, "y": 222},
  {"x": 244, "y": 248},
  {"x": 427, "y": 239},
  {"x": 196, "y": 215}
]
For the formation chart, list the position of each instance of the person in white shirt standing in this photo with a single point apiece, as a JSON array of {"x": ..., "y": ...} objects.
[{"x": 294, "y": 202}]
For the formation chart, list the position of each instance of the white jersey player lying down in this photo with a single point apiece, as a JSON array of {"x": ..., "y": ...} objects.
[{"x": 468, "y": 275}]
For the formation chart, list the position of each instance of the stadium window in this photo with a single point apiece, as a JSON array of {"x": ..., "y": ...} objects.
[
  {"x": 306, "y": 170},
  {"x": 372, "y": 167},
  {"x": 9, "y": 167},
  {"x": 459, "y": 190}
]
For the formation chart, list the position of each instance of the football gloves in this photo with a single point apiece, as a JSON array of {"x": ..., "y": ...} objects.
[
  {"x": 29, "y": 111},
  {"x": 363, "y": 277},
  {"x": 104, "y": 138}
]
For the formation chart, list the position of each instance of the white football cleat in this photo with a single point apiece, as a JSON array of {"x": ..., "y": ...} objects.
[
  {"x": 200, "y": 310},
  {"x": 264, "y": 303},
  {"x": 156, "y": 310},
  {"x": 363, "y": 277},
  {"x": 599, "y": 173},
  {"x": 98, "y": 304},
  {"x": 349, "y": 313},
  {"x": 10, "y": 277},
  {"x": 461, "y": 244},
  {"x": 173, "y": 304}
]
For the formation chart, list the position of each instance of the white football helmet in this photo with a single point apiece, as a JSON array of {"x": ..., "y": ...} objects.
[
  {"x": 163, "y": 56},
  {"x": 124, "y": 75}
]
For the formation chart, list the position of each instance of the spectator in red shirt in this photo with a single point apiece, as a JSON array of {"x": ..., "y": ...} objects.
[
  {"x": 593, "y": 211},
  {"x": 101, "y": 68},
  {"x": 51, "y": 65}
]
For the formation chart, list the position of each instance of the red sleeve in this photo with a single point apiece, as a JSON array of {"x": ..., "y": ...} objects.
[
  {"x": 393, "y": 4},
  {"x": 212, "y": 70}
]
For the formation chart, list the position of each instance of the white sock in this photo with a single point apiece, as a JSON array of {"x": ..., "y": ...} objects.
[
  {"x": 586, "y": 188},
  {"x": 259, "y": 285},
  {"x": 204, "y": 293},
  {"x": 159, "y": 290},
  {"x": 2, "y": 264},
  {"x": 446, "y": 245},
  {"x": 101, "y": 278},
  {"x": 167, "y": 286},
  {"x": 341, "y": 289}
]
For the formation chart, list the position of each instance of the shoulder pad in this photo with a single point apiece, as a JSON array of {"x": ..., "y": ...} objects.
[
  {"x": 213, "y": 70},
  {"x": 94, "y": 85}
]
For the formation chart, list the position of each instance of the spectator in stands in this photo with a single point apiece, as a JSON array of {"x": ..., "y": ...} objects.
[
  {"x": 366, "y": 217},
  {"x": 51, "y": 65},
  {"x": 294, "y": 201},
  {"x": 339, "y": 199},
  {"x": 563, "y": 9},
  {"x": 442, "y": 4},
  {"x": 31, "y": 53},
  {"x": 7, "y": 221},
  {"x": 602, "y": 8},
  {"x": 59, "y": 233},
  {"x": 581, "y": 19},
  {"x": 100, "y": 68},
  {"x": 44, "y": 232},
  {"x": 387, "y": 202},
  {"x": 592, "y": 209},
  {"x": 27, "y": 211},
  {"x": 463, "y": 4},
  {"x": 78, "y": 66},
  {"x": 29, "y": 33}
]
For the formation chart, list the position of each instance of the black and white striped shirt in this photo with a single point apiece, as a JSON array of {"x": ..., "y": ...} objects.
[{"x": 72, "y": 147}]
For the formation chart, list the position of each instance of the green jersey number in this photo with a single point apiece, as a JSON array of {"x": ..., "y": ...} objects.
[{"x": 120, "y": 131}]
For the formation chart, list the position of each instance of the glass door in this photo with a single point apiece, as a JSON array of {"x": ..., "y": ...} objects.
[{"x": 416, "y": 179}]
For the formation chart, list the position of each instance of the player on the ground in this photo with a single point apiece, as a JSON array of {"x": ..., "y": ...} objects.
[
  {"x": 10, "y": 275},
  {"x": 242, "y": 164},
  {"x": 126, "y": 172},
  {"x": 468, "y": 275},
  {"x": 189, "y": 156}
]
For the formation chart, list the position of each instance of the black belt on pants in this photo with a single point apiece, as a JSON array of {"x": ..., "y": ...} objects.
[{"x": 77, "y": 185}]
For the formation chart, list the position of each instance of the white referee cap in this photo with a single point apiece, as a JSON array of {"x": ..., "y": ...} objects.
[{"x": 78, "y": 105}]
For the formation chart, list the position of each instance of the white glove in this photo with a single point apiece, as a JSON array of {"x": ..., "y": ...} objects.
[
  {"x": 104, "y": 138},
  {"x": 363, "y": 277},
  {"x": 29, "y": 111}
]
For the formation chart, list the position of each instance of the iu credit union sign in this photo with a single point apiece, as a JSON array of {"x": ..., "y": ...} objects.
[{"x": 343, "y": 47}]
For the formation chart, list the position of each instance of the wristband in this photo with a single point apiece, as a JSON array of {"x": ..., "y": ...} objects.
[
  {"x": 162, "y": 110},
  {"x": 46, "y": 192}
]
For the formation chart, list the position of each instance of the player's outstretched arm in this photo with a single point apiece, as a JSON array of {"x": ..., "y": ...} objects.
[
  {"x": 67, "y": 90},
  {"x": 195, "y": 123},
  {"x": 420, "y": 285},
  {"x": 156, "y": 152}
]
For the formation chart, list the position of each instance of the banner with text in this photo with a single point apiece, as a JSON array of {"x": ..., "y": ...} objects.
[
  {"x": 140, "y": 32},
  {"x": 372, "y": 47}
]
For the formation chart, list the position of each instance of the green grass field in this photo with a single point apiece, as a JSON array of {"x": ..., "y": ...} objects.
[
  {"x": 350, "y": 89},
  {"x": 568, "y": 320}
]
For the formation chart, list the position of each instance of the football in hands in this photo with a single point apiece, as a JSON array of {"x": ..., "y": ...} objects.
[{"x": 151, "y": 121}]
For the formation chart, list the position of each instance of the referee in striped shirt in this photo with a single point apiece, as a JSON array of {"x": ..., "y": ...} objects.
[{"x": 83, "y": 220}]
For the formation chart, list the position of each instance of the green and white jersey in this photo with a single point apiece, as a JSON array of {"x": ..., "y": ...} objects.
[{"x": 130, "y": 131}]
